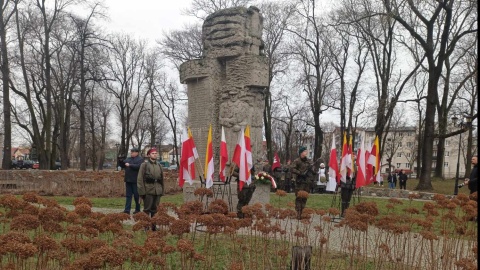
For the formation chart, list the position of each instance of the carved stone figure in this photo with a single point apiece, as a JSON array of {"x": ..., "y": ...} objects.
[{"x": 226, "y": 87}]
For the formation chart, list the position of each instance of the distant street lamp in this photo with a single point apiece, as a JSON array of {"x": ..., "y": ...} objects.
[{"x": 465, "y": 123}]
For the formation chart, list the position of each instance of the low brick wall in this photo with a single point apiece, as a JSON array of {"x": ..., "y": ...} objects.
[{"x": 73, "y": 183}]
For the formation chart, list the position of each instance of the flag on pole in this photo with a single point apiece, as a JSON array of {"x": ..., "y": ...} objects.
[
  {"x": 248, "y": 153},
  {"x": 208, "y": 174},
  {"x": 187, "y": 160},
  {"x": 345, "y": 161},
  {"x": 332, "y": 163},
  {"x": 223, "y": 156},
  {"x": 352, "y": 156},
  {"x": 368, "y": 166},
  {"x": 276, "y": 162},
  {"x": 361, "y": 169},
  {"x": 242, "y": 157}
]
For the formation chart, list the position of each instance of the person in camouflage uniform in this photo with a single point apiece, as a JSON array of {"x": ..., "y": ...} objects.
[
  {"x": 302, "y": 169},
  {"x": 244, "y": 195}
]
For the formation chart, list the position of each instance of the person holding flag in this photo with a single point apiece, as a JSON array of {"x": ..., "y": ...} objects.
[
  {"x": 302, "y": 168},
  {"x": 244, "y": 170}
]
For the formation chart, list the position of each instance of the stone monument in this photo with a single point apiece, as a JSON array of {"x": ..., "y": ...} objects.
[{"x": 226, "y": 87}]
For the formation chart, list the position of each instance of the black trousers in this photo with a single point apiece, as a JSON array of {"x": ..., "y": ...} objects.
[
  {"x": 244, "y": 197},
  {"x": 346, "y": 195}
]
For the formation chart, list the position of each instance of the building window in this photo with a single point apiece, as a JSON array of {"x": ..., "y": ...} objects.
[
  {"x": 434, "y": 153},
  {"x": 399, "y": 154},
  {"x": 410, "y": 134},
  {"x": 400, "y": 144},
  {"x": 400, "y": 134},
  {"x": 447, "y": 142},
  {"x": 410, "y": 144},
  {"x": 447, "y": 153},
  {"x": 407, "y": 154},
  {"x": 435, "y": 142},
  {"x": 398, "y": 165},
  {"x": 445, "y": 164},
  {"x": 407, "y": 165}
]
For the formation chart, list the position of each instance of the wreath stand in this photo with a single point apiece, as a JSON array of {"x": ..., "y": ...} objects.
[{"x": 221, "y": 190}]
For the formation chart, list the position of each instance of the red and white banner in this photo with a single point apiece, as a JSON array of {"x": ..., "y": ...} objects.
[
  {"x": 223, "y": 156},
  {"x": 276, "y": 162},
  {"x": 187, "y": 160}
]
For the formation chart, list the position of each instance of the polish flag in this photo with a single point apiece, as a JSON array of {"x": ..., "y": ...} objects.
[
  {"x": 242, "y": 157},
  {"x": 187, "y": 160},
  {"x": 223, "y": 156},
  {"x": 209, "y": 161},
  {"x": 332, "y": 163},
  {"x": 361, "y": 169}
]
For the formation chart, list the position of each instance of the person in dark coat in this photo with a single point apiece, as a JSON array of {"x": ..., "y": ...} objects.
[
  {"x": 150, "y": 183},
  {"x": 131, "y": 166},
  {"x": 346, "y": 191},
  {"x": 471, "y": 182},
  {"x": 302, "y": 168},
  {"x": 403, "y": 179},
  {"x": 245, "y": 195}
]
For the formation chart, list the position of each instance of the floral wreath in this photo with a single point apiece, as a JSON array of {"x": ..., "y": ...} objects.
[{"x": 265, "y": 179}]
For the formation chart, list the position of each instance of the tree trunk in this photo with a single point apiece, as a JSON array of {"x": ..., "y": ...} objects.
[{"x": 7, "y": 136}]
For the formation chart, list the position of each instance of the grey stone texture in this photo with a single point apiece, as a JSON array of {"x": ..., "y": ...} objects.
[{"x": 226, "y": 87}]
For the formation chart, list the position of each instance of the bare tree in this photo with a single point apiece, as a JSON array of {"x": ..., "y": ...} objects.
[
  {"x": 7, "y": 10},
  {"x": 317, "y": 78},
  {"x": 126, "y": 83},
  {"x": 430, "y": 25},
  {"x": 276, "y": 19},
  {"x": 179, "y": 46},
  {"x": 202, "y": 8},
  {"x": 168, "y": 96}
]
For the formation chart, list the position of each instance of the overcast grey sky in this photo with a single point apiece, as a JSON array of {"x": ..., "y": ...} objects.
[{"x": 146, "y": 18}]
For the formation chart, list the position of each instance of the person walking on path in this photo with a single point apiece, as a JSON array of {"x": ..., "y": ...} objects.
[
  {"x": 302, "y": 168},
  {"x": 150, "y": 183},
  {"x": 471, "y": 182},
  {"x": 403, "y": 179},
  {"x": 131, "y": 166}
]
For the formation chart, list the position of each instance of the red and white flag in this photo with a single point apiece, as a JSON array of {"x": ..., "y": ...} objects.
[
  {"x": 242, "y": 157},
  {"x": 209, "y": 160},
  {"x": 361, "y": 168},
  {"x": 187, "y": 160},
  {"x": 276, "y": 162},
  {"x": 332, "y": 163},
  {"x": 223, "y": 157}
]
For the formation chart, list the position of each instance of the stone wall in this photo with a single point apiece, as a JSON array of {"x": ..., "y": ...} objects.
[{"x": 72, "y": 183}]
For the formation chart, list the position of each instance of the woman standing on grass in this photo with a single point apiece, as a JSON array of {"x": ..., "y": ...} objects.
[{"x": 150, "y": 183}]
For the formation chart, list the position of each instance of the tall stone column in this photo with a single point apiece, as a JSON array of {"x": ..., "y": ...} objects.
[{"x": 226, "y": 87}]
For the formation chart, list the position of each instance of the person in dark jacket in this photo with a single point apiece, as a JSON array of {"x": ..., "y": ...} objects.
[
  {"x": 302, "y": 168},
  {"x": 131, "y": 166},
  {"x": 150, "y": 183},
  {"x": 346, "y": 191},
  {"x": 471, "y": 182},
  {"x": 245, "y": 195},
  {"x": 403, "y": 179}
]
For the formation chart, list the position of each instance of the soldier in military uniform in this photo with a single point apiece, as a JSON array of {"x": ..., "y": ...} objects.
[
  {"x": 302, "y": 168},
  {"x": 244, "y": 195}
]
